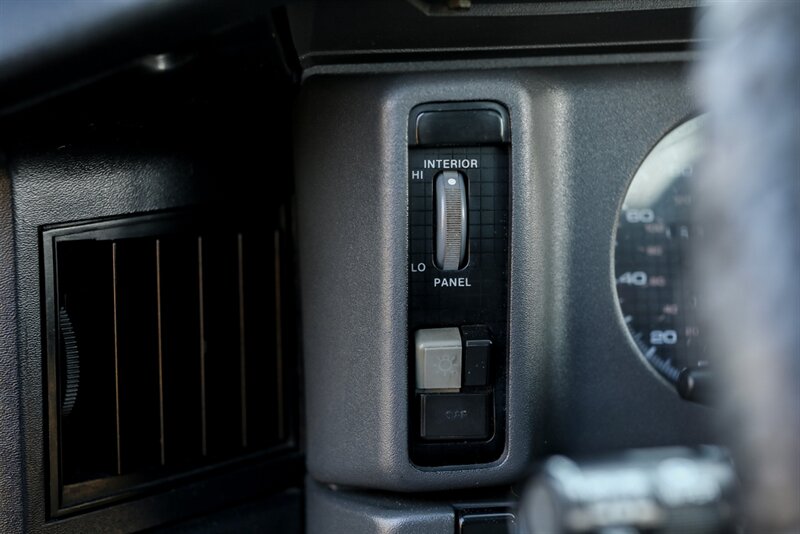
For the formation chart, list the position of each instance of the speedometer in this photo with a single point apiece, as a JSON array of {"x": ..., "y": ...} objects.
[{"x": 654, "y": 242}]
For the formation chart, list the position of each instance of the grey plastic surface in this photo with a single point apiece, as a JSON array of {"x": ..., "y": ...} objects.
[
  {"x": 339, "y": 511},
  {"x": 576, "y": 383},
  {"x": 12, "y": 462}
]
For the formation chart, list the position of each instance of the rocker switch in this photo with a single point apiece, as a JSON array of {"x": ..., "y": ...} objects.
[{"x": 438, "y": 359}]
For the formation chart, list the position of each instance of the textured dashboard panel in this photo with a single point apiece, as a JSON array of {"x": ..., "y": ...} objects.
[
  {"x": 58, "y": 185},
  {"x": 55, "y": 182},
  {"x": 352, "y": 192},
  {"x": 11, "y": 465},
  {"x": 579, "y": 134}
]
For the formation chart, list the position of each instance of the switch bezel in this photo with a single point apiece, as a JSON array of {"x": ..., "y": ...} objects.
[{"x": 474, "y": 297}]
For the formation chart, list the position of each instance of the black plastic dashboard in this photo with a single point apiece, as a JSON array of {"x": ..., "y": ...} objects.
[{"x": 295, "y": 119}]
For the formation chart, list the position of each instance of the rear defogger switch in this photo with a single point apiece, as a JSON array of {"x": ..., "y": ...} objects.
[{"x": 458, "y": 282}]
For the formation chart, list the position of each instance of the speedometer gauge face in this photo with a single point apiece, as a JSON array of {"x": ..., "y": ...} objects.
[{"x": 653, "y": 244}]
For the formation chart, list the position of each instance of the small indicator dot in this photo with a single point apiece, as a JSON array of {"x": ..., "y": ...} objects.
[{"x": 451, "y": 181}]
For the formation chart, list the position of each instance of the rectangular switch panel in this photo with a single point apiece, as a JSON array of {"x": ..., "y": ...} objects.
[{"x": 458, "y": 282}]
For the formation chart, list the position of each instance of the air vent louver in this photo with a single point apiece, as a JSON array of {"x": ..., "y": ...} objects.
[{"x": 164, "y": 353}]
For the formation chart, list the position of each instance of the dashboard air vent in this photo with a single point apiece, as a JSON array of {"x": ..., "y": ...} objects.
[{"x": 165, "y": 353}]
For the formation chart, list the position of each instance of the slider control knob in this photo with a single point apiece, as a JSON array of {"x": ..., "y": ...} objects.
[{"x": 450, "y": 228}]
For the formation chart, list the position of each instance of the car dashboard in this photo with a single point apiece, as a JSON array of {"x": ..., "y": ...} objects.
[{"x": 340, "y": 267}]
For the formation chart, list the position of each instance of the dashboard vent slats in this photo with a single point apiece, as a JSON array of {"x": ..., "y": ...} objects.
[
  {"x": 180, "y": 348},
  {"x": 136, "y": 353},
  {"x": 176, "y": 330}
]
